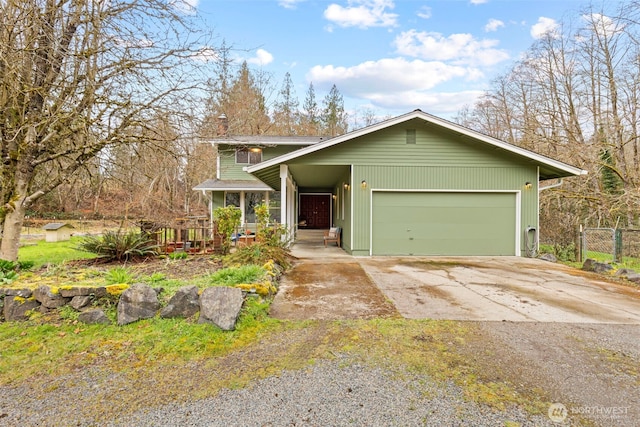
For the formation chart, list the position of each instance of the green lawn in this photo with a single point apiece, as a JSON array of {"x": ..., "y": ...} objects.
[{"x": 41, "y": 252}]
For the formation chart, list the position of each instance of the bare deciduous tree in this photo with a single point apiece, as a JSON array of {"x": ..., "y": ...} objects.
[{"x": 76, "y": 76}]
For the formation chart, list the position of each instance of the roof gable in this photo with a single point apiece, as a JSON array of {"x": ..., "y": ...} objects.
[{"x": 549, "y": 168}]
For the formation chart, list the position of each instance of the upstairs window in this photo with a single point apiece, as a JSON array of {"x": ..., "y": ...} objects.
[{"x": 248, "y": 156}]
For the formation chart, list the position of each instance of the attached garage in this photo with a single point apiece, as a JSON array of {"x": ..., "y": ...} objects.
[
  {"x": 424, "y": 186},
  {"x": 444, "y": 223}
]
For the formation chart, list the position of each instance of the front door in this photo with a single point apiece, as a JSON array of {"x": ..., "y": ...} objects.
[{"x": 315, "y": 211}]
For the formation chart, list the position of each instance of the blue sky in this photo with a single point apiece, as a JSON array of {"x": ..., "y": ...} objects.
[{"x": 389, "y": 56}]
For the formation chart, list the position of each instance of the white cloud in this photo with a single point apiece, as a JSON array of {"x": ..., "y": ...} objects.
[
  {"x": 289, "y": 4},
  {"x": 438, "y": 103},
  {"x": 362, "y": 14},
  {"x": 458, "y": 48},
  {"x": 206, "y": 54},
  {"x": 424, "y": 12},
  {"x": 544, "y": 26},
  {"x": 493, "y": 25},
  {"x": 478, "y": 1},
  {"x": 188, "y": 7},
  {"x": 262, "y": 58},
  {"x": 603, "y": 24},
  {"x": 387, "y": 76}
]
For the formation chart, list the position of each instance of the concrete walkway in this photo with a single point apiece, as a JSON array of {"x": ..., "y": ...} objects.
[
  {"x": 309, "y": 245},
  {"x": 327, "y": 283}
]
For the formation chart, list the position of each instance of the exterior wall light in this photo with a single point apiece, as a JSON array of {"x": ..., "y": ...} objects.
[
  {"x": 363, "y": 184},
  {"x": 346, "y": 186},
  {"x": 528, "y": 185}
]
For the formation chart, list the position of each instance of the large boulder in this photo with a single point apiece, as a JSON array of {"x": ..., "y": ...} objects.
[
  {"x": 596, "y": 267},
  {"x": 16, "y": 307},
  {"x": 137, "y": 302},
  {"x": 185, "y": 303},
  {"x": 96, "y": 316},
  {"x": 221, "y": 307},
  {"x": 49, "y": 299},
  {"x": 548, "y": 257}
]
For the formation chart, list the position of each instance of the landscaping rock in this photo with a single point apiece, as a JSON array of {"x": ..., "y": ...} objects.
[
  {"x": 94, "y": 317},
  {"x": 221, "y": 307},
  {"x": 185, "y": 303},
  {"x": 80, "y": 301},
  {"x": 624, "y": 272},
  {"x": 16, "y": 307},
  {"x": 71, "y": 292},
  {"x": 137, "y": 302},
  {"x": 49, "y": 299},
  {"x": 22, "y": 293},
  {"x": 596, "y": 267},
  {"x": 635, "y": 278},
  {"x": 548, "y": 257}
]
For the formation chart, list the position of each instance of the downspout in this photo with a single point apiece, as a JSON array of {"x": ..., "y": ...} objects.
[
  {"x": 531, "y": 235},
  {"x": 557, "y": 184}
]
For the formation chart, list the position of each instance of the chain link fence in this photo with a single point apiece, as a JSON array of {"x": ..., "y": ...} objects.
[
  {"x": 608, "y": 244},
  {"x": 599, "y": 243}
]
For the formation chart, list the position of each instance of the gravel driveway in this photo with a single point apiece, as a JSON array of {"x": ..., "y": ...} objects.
[{"x": 586, "y": 361}]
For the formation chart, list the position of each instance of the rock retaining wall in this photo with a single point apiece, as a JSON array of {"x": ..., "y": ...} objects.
[{"x": 218, "y": 305}]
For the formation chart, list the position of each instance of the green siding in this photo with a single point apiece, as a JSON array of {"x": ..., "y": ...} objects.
[
  {"x": 229, "y": 169},
  {"x": 433, "y": 147},
  {"x": 443, "y": 223}
]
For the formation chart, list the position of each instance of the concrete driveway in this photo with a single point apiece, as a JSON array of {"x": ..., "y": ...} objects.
[
  {"x": 500, "y": 289},
  {"x": 327, "y": 283}
]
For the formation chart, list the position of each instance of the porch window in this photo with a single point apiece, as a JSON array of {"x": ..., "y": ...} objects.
[
  {"x": 250, "y": 202},
  {"x": 249, "y": 156},
  {"x": 274, "y": 206},
  {"x": 232, "y": 199}
]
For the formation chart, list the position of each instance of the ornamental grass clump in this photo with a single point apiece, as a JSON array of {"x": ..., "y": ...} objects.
[{"x": 120, "y": 245}]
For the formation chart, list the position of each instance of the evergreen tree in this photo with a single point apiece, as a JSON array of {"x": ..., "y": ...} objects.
[
  {"x": 286, "y": 115},
  {"x": 309, "y": 122},
  {"x": 611, "y": 181},
  {"x": 246, "y": 109},
  {"x": 334, "y": 118}
]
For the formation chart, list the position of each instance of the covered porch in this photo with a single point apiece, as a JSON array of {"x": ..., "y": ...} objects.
[{"x": 310, "y": 244}]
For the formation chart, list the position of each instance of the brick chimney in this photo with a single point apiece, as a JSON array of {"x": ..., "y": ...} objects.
[{"x": 223, "y": 125}]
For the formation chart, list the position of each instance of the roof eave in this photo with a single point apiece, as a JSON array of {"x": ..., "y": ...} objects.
[{"x": 571, "y": 170}]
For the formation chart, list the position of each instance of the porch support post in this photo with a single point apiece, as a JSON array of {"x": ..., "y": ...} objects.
[{"x": 284, "y": 194}]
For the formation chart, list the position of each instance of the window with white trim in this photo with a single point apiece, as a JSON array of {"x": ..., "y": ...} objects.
[{"x": 248, "y": 156}]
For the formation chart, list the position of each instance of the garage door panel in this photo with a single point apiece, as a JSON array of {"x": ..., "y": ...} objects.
[{"x": 443, "y": 223}]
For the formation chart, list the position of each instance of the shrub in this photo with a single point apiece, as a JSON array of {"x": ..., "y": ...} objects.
[
  {"x": 230, "y": 276},
  {"x": 26, "y": 265},
  {"x": 260, "y": 253},
  {"x": 8, "y": 271},
  {"x": 228, "y": 220},
  {"x": 565, "y": 253},
  {"x": 6, "y": 266},
  {"x": 118, "y": 275},
  {"x": 178, "y": 255},
  {"x": 119, "y": 245}
]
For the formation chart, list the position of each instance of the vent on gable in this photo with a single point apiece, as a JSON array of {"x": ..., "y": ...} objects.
[{"x": 411, "y": 136}]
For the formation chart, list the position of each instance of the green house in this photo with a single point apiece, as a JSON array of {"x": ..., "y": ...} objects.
[
  {"x": 411, "y": 185},
  {"x": 233, "y": 185}
]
